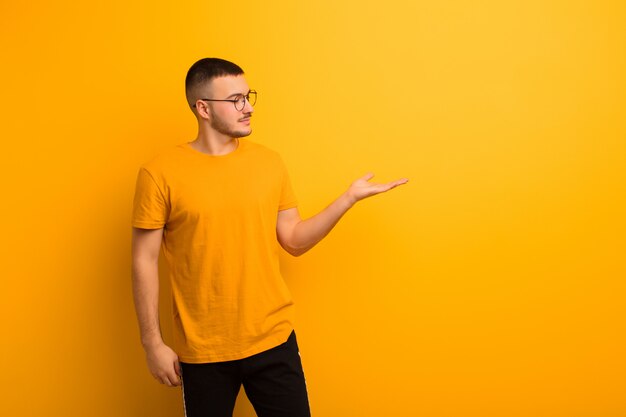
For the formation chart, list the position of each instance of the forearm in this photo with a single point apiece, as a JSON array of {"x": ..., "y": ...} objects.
[
  {"x": 146, "y": 296},
  {"x": 307, "y": 233}
]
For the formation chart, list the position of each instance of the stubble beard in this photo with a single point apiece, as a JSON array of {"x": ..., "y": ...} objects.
[{"x": 222, "y": 127}]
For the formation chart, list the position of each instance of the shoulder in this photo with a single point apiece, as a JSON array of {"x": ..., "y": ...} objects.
[
  {"x": 165, "y": 158},
  {"x": 259, "y": 148},
  {"x": 263, "y": 159},
  {"x": 261, "y": 152}
]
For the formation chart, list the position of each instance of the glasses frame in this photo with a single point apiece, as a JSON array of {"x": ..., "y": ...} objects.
[{"x": 235, "y": 100}]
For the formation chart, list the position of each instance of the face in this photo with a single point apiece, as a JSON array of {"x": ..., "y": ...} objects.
[{"x": 224, "y": 117}]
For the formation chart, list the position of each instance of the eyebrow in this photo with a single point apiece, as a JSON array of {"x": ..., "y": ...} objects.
[{"x": 237, "y": 94}]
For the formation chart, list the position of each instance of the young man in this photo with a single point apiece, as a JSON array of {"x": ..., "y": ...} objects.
[{"x": 219, "y": 206}]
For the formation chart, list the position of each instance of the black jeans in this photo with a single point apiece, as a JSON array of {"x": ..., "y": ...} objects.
[{"x": 273, "y": 381}]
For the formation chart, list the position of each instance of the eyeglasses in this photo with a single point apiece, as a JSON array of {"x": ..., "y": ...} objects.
[{"x": 239, "y": 101}]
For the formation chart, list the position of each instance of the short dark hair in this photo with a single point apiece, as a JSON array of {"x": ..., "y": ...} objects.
[{"x": 206, "y": 69}]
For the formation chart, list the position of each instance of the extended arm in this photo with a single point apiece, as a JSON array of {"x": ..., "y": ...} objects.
[
  {"x": 162, "y": 360},
  {"x": 297, "y": 236}
]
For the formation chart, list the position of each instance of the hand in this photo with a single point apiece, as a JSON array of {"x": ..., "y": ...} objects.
[
  {"x": 163, "y": 364},
  {"x": 362, "y": 188}
]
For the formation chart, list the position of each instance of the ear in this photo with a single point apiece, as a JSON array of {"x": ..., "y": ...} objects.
[{"x": 202, "y": 109}]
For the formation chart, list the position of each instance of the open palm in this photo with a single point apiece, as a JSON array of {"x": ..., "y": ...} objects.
[{"x": 362, "y": 188}]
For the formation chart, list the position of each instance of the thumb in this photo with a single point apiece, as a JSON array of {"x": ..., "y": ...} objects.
[
  {"x": 367, "y": 176},
  {"x": 177, "y": 368}
]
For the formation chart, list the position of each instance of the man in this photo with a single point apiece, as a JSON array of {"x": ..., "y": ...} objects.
[{"x": 219, "y": 206}]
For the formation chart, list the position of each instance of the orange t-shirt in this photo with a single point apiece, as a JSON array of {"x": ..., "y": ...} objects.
[{"x": 218, "y": 215}]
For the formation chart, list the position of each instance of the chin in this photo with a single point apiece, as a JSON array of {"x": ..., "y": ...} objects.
[{"x": 242, "y": 133}]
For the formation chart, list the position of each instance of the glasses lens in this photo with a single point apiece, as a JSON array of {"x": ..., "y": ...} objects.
[
  {"x": 252, "y": 97},
  {"x": 240, "y": 103}
]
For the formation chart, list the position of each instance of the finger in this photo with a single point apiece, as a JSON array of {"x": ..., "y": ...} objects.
[
  {"x": 384, "y": 187},
  {"x": 163, "y": 377},
  {"x": 381, "y": 188},
  {"x": 173, "y": 378},
  {"x": 397, "y": 182},
  {"x": 176, "y": 379},
  {"x": 165, "y": 380}
]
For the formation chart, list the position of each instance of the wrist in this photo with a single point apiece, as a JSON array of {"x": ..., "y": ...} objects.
[
  {"x": 152, "y": 343},
  {"x": 349, "y": 199}
]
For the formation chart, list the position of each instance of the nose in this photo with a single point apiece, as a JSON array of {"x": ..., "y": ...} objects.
[{"x": 247, "y": 108}]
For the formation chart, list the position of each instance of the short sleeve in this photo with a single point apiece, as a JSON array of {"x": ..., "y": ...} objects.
[
  {"x": 287, "y": 196},
  {"x": 150, "y": 208}
]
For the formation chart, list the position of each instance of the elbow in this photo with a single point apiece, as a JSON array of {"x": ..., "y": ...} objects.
[
  {"x": 294, "y": 250},
  {"x": 297, "y": 252},
  {"x": 292, "y": 244}
]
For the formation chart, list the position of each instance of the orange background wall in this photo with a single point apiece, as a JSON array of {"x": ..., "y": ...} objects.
[{"x": 492, "y": 284}]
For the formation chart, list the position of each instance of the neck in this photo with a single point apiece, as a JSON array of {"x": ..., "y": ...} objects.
[{"x": 214, "y": 143}]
